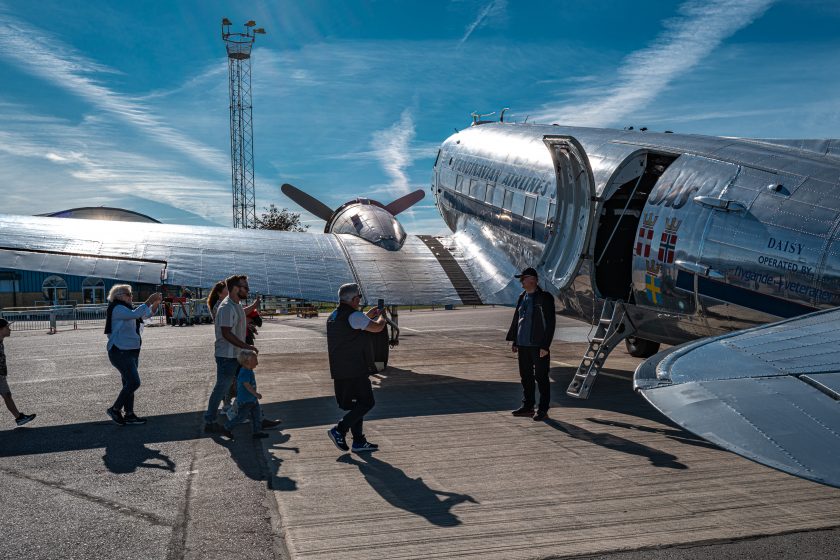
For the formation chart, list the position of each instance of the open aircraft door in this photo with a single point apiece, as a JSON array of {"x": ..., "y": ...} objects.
[{"x": 570, "y": 225}]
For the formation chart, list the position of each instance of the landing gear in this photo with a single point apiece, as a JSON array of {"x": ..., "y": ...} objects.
[{"x": 641, "y": 348}]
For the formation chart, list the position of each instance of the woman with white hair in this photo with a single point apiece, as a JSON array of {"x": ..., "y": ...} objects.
[{"x": 124, "y": 327}]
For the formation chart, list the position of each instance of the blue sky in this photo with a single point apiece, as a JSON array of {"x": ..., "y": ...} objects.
[{"x": 126, "y": 103}]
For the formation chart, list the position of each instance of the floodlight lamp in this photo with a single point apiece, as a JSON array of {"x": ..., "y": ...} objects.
[
  {"x": 226, "y": 21},
  {"x": 259, "y": 30},
  {"x": 251, "y": 23}
]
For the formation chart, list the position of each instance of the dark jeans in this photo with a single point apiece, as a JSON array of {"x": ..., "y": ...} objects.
[
  {"x": 246, "y": 410},
  {"x": 355, "y": 396},
  {"x": 533, "y": 368},
  {"x": 126, "y": 362},
  {"x": 226, "y": 369}
]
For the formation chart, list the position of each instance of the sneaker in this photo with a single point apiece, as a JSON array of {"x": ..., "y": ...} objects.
[
  {"x": 524, "y": 411},
  {"x": 365, "y": 446},
  {"x": 227, "y": 434},
  {"x": 211, "y": 428},
  {"x": 259, "y": 435},
  {"x": 266, "y": 424},
  {"x": 338, "y": 439},
  {"x": 133, "y": 419},
  {"x": 116, "y": 416},
  {"x": 25, "y": 418},
  {"x": 540, "y": 415}
]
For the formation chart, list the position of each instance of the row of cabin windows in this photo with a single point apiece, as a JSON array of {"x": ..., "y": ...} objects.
[{"x": 519, "y": 203}]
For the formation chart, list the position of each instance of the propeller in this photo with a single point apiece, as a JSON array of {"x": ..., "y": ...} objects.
[
  {"x": 321, "y": 210},
  {"x": 405, "y": 202},
  {"x": 309, "y": 202}
]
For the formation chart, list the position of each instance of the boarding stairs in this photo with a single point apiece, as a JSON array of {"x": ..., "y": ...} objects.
[{"x": 613, "y": 327}]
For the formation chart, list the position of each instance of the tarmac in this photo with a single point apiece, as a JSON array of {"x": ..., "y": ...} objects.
[{"x": 456, "y": 477}]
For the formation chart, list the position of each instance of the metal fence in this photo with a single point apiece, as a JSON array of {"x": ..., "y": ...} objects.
[{"x": 55, "y": 318}]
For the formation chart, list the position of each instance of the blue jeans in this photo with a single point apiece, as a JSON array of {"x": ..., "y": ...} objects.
[
  {"x": 245, "y": 410},
  {"x": 126, "y": 362},
  {"x": 225, "y": 374}
]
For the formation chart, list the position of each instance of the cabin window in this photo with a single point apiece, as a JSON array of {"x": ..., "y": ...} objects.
[
  {"x": 530, "y": 205},
  {"x": 479, "y": 191},
  {"x": 508, "y": 202},
  {"x": 518, "y": 203},
  {"x": 473, "y": 188},
  {"x": 542, "y": 210},
  {"x": 459, "y": 183},
  {"x": 489, "y": 195},
  {"x": 498, "y": 196}
]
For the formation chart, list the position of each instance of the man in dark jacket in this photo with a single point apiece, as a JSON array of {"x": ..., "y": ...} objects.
[
  {"x": 531, "y": 333},
  {"x": 351, "y": 362}
]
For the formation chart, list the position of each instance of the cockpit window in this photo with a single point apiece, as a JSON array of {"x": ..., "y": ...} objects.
[
  {"x": 489, "y": 196},
  {"x": 459, "y": 183},
  {"x": 437, "y": 159}
]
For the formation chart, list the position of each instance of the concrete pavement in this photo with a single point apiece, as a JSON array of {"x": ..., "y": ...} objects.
[{"x": 457, "y": 476}]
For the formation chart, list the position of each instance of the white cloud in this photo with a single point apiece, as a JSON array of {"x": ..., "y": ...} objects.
[
  {"x": 39, "y": 54},
  {"x": 644, "y": 74},
  {"x": 391, "y": 147},
  {"x": 494, "y": 8}
]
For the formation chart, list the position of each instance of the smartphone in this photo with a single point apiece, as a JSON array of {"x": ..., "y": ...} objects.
[{"x": 380, "y": 304}]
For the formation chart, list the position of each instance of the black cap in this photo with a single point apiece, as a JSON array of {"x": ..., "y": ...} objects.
[{"x": 527, "y": 272}]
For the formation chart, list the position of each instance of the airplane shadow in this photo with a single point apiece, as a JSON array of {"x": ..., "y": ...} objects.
[
  {"x": 402, "y": 393},
  {"x": 410, "y": 494}
]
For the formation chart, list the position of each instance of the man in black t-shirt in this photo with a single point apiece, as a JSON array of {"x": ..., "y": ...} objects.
[{"x": 351, "y": 362}]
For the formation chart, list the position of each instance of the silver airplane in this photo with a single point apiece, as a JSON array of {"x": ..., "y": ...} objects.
[{"x": 700, "y": 242}]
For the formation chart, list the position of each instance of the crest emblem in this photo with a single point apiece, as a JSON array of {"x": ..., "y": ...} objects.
[
  {"x": 668, "y": 242},
  {"x": 645, "y": 235},
  {"x": 653, "y": 282}
]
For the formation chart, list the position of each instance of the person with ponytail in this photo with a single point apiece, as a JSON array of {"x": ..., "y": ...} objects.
[{"x": 124, "y": 327}]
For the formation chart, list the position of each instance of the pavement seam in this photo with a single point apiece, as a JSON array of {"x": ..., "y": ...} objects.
[
  {"x": 278, "y": 532},
  {"x": 113, "y": 506},
  {"x": 178, "y": 540}
]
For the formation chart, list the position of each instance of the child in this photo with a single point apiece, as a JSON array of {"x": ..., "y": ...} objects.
[
  {"x": 247, "y": 398},
  {"x": 20, "y": 417}
]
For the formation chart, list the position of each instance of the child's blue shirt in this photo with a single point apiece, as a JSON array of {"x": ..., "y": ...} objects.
[{"x": 242, "y": 394}]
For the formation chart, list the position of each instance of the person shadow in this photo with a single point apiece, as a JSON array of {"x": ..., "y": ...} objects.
[
  {"x": 657, "y": 457},
  {"x": 409, "y": 494},
  {"x": 250, "y": 458},
  {"x": 124, "y": 455}
]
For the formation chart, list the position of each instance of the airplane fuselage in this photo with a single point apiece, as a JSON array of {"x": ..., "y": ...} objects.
[{"x": 697, "y": 235}]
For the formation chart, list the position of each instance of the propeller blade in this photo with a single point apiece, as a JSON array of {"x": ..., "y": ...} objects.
[
  {"x": 307, "y": 202},
  {"x": 405, "y": 202}
]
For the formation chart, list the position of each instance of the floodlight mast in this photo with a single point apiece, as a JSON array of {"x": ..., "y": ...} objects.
[{"x": 238, "y": 46}]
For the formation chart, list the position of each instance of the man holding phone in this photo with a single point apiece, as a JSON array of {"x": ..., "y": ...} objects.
[{"x": 351, "y": 363}]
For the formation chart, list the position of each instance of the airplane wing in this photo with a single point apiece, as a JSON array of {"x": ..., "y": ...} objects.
[
  {"x": 299, "y": 265},
  {"x": 770, "y": 394}
]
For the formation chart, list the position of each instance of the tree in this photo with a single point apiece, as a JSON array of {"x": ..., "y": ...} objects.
[{"x": 280, "y": 220}]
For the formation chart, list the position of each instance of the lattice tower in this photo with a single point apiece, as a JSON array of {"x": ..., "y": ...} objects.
[{"x": 238, "y": 47}]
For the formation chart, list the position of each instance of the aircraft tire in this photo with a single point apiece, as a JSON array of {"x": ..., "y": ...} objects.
[{"x": 641, "y": 348}]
